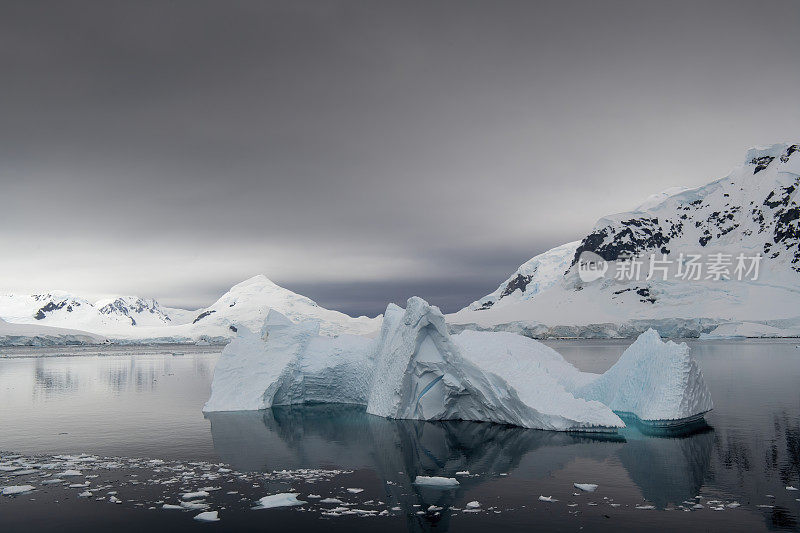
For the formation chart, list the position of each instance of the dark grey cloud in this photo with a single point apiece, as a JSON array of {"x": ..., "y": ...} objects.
[{"x": 361, "y": 151}]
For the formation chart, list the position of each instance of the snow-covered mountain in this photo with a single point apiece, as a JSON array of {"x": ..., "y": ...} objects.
[
  {"x": 534, "y": 276},
  {"x": 248, "y": 303},
  {"x": 754, "y": 210},
  {"x": 65, "y": 310},
  {"x": 134, "y": 319}
]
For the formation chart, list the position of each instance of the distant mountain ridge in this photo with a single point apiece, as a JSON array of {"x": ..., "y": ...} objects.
[{"x": 136, "y": 319}]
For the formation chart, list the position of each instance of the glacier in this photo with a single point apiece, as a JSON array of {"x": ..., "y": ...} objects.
[{"x": 415, "y": 369}]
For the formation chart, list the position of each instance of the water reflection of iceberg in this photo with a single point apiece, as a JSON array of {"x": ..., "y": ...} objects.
[{"x": 667, "y": 470}]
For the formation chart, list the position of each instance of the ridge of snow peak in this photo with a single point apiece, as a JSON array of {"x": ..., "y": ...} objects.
[{"x": 753, "y": 210}]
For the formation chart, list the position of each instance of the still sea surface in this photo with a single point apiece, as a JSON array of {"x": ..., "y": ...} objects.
[{"x": 107, "y": 437}]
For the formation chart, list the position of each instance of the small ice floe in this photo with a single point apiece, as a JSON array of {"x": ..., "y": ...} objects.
[
  {"x": 355, "y": 490},
  {"x": 52, "y": 481},
  {"x": 195, "y": 504},
  {"x": 436, "y": 481},
  {"x": 698, "y": 506},
  {"x": 313, "y": 496},
  {"x": 473, "y": 505},
  {"x": 194, "y": 495},
  {"x": 337, "y": 501},
  {"x": 169, "y": 506},
  {"x": 207, "y": 516},
  {"x": 733, "y": 505},
  {"x": 69, "y": 473},
  {"x": 765, "y": 506},
  {"x": 16, "y": 489},
  {"x": 462, "y": 473},
  {"x": 645, "y": 507},
  {"x": 284, "y": 499},
  {"x": 791, "y": 488},
  {"x": 85, "y": 494},
  {"x": 434, "y": 509},
  {"x": 114, "y": 499},
  {"x": 587, "y": 487},
  {"x": 80, "y": 485},
  {"x": 23, "y": 472},
  {"x": 547, "y": 499}
]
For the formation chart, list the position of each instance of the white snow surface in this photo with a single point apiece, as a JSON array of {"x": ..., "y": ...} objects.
[{"x": 416, "y": 370}]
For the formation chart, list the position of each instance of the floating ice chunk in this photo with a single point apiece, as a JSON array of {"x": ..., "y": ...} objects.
[
  {"x": 656, "y": 381},
  {"x": 313, "y": 496},
  {"x": 330, "y": 500},
  {"x": 355, "y": 491},
  {"x": 52, "y": 481},
  {"x": 170, "y": 506},
  {"x": 196, "y": 504},
  {"x": 69, "y": 473},
  {"x": 645, "y": 507},
  {"x": 791, "y": 488},
  {"x": 434, "y": 508},
  {"x": 463, "y": 473},
  {"x": 588, "y": 487},
  {"x": 473, "y": 505},
  {"x": 194, "y": 495},
  {"x": 284, "y": 499},
  {"x": 436, "y": 481},
  {"x": 547, "y": 499},
  {"x": 85, "y": 494},
  {"x": 23, "y": 472},
  {"x": 16, "y": 489},
  {"x": 207, "y": 516}
]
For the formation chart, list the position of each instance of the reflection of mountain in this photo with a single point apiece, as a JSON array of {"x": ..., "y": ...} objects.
[
  {"x": 750, "y": 466},
  {"x": 50, "y": 381},
  {"x": 667, "y": 470}
]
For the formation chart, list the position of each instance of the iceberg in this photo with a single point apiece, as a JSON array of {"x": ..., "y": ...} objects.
[
  {"x": 414, "y": 369},
  {"x": 657, "y": 382}
]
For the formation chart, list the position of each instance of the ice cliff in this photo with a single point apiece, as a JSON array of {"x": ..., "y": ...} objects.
[{"x": 415, "y": 369}]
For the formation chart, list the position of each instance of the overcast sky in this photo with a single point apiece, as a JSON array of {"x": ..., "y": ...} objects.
[{"x": 364, "y": 151}]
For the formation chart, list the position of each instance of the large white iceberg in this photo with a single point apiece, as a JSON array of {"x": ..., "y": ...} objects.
[{"x": 415, "y": 369}]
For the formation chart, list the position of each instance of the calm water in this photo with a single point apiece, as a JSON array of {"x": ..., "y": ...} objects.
[{"x": 139, "y": 404}]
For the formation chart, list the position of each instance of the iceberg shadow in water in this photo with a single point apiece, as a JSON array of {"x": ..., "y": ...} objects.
[{"x": 335, "y": 436}]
